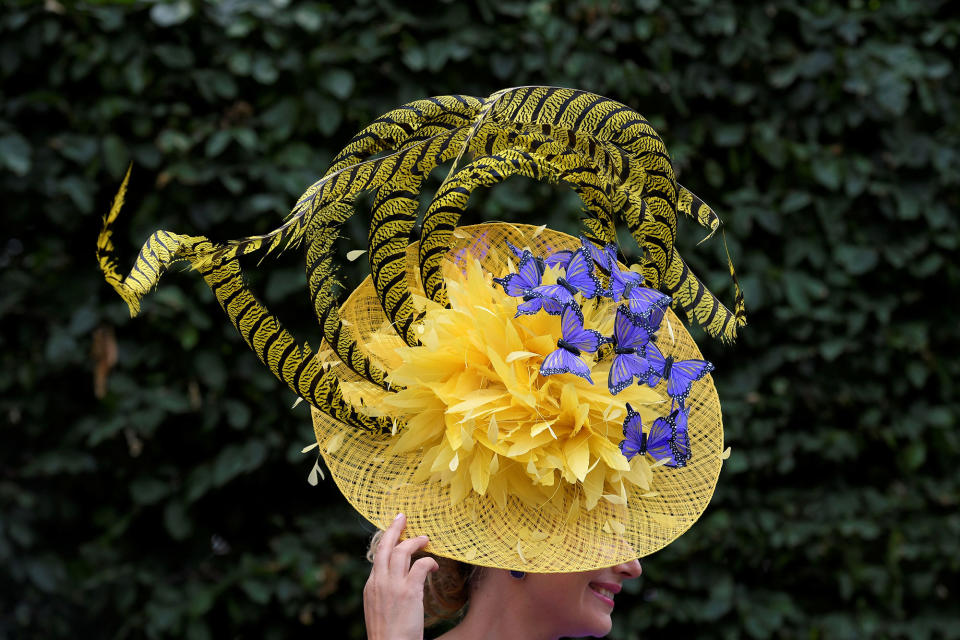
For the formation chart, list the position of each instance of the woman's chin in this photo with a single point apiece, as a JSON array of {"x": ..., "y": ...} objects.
[{"x": 598, "y": 627}]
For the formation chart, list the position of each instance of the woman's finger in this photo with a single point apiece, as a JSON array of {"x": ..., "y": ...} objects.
[
  {"x": 400, "y": 558},
  {"x": 420, "y": 569},
  {"x": 381, "y": 559}
]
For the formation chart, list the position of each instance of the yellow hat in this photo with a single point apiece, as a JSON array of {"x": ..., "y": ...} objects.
[{"x": 432, "y": 395}]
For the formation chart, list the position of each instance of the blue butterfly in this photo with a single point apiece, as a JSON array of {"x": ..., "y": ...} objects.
[
  {"x": 647, "y": 306},
  {"x": 526, "y": 278},
  {"x": 579, "y": 275},
  {"x": 679, "y": 374},
  {"x": 573, "y": 341},
  {"x": 551, "y": 298},
  {"x": 604, "y": 257},
  {"x": 623, "y": 282},
  {"x": 629, "y": 340},
  {"x": 559, "y": 259},
  {"x": 668, "y": 439}
]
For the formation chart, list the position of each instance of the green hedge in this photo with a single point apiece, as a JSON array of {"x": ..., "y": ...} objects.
[{"x": 173, "y": 502}]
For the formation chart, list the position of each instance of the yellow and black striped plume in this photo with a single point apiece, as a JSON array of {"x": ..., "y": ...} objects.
[{"x": 606, "y": 152}]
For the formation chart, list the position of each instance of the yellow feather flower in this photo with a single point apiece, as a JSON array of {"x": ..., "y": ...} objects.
[{"x": 483, "y": 417}]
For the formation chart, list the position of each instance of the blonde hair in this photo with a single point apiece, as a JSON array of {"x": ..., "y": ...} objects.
[{"x": 446, "y": 592}]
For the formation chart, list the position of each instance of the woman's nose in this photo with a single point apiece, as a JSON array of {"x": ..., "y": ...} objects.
[{"x": 629, "y": 570}]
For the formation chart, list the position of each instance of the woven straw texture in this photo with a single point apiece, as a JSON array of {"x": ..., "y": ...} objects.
[{"x": 543, "y": 539}]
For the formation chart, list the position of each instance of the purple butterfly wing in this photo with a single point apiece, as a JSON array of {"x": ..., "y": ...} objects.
[
  {"x": 659, "y": 440},
  {"x": 621, "y": 282},
  {"x": 627, "y": 333},
  {"x": 683, "y": 374},
  {"x": 657, "y": 363},
  {"x": 681, "y": 439},
  {"x": 559, "y": 259},
  {"x": 554, "y": 292},
  {"x": 634, "y": 441},
  {"x": 580, "y": 274},
  {"x": 525, "y": 279},
  {"x": 563, "y": 361},
  {"x": 669, "y": 440},
  {"x": 571, "y": 325},
  {"x": 648, "y": 305},
  {"x": 516, "y": 250},
  {"x": 532, "y": 303},
  {"x": 604, "y": 257},
  {"x": 610, "y": 256},
  {"x": 625, "y": 367}
]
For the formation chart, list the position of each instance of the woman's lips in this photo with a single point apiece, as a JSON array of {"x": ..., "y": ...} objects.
[{"x": 604, "y": 591}]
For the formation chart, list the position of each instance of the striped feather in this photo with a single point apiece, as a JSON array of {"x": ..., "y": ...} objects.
[
  {"x": 608, "y": 153},
  {"x": 697, "y": 209},
  {"x": 700, "y": 305},
  {"x": 263, "y": 333}
]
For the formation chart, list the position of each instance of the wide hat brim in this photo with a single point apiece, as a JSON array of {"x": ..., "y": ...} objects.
[{"x": 379, "y": 483}]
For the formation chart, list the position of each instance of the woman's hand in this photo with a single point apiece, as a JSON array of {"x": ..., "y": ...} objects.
[{"x": 393, "y": 595}]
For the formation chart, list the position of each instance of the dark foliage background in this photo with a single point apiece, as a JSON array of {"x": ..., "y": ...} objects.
[{"x": 171, "y": 500}]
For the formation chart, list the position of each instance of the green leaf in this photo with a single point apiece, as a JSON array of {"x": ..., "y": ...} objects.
[
  {"x": 80, "y": 149},
  {"x": 172, "y": 142},
  {"x": 831, "y": 349},
  {"x": 794, "y": 201},
  {"x": 238, "y": 414},
  {"x": 147, "y": 490},
  {"x": 914, "y": 455},
  {"x": 217, "y": 142},
  {"x": 176, "y": 520},
  {"x": 281, "y": 118},
  {"x": 15, "y": 153},
  {"x": 415, "y": 58},
  {"x": 328, "y": 116},
  {"x": 264, "y": 71},
  {"x": 240, "y": 63},
  {"x": 309, "y": 17},
  {"x": 46, "y": 573},
  {"x": 856, "y": 260},
  {"x": 135, "y": 75},
  {"x": 169, "y": 14},
  {"x": 246, "y": 137},
  {"x": 174, "y": 56},
  {"x": 729, "y": 135},
  {"x": 115, "y": 155},
  {"x": 828, "y": 171},
  {"x": 338, "y": 82},
  {"x": 256, "y": 590}
]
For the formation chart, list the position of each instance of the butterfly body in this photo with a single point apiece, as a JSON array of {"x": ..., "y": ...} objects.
[
  {"x": 579, "y": 276},
  {"x": 563, "y": 344},
  {"x": 668, "y": 366},
  {"x": 667, "y": 441},
  {"x": 629, "y": 340},
  {"x": 527, "y": 277},
  {"x": 623, "y": 282},
  {"x": 551, "y": 298},
  {"x": 574, "y": 340},
  {"x": 679, "y": 374},
  {"x": 566, "y": 285}
]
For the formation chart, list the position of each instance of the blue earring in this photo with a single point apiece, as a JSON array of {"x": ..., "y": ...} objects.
[{"x": 519, "y": 575}]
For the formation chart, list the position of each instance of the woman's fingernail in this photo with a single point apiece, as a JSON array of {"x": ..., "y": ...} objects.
[{"x": 398, "y": 516}]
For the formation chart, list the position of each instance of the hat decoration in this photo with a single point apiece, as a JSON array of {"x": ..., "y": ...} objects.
[{"x": 456, "y": 383}]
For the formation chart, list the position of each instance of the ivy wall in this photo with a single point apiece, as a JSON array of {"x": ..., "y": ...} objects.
[{"x": 151, "y": 480}]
